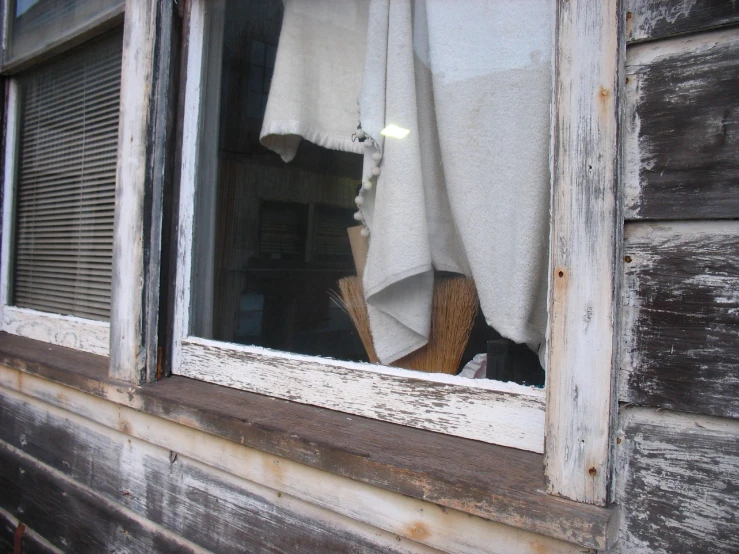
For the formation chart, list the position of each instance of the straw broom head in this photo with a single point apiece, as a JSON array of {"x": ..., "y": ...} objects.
[
  {"x": 352, "y": 300},
  {"x": 452, "y": 316}
]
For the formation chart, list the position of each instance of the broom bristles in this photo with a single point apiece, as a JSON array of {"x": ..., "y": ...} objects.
[
  {"x": 453, "y": 314},
  {"x": 352, "y": 300}
]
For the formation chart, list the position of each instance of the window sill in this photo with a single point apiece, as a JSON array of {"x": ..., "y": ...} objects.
[{"x": 493, "y": 482}]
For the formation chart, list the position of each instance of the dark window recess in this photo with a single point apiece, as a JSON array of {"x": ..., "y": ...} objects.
[
  {"x": 281, "y": 240},
  {"x": 283, "y": 230}
]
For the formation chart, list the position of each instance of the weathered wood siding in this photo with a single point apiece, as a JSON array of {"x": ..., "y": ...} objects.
[
  {"x": 681, "y": 316},
  {"x": 30, "y": 541},
  {"x": 110, "y": 492},
  {"x": 168, "y": 481},
  {"x": 682, "y": 128},
  {"x": 656, "y": 19},
  {"x": 678, "y": 454},
  {"x": 678, "y": 483}
]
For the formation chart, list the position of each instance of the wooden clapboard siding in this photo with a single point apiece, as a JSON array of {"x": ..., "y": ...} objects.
[
  {"x": 31, "y": 542},
  {"x": 676, "y": 471},
  {"x": 72, "y": 517},
  {"x": 678, "y": 483},
  {"x": 381, "y": 474},
  {"x": 191, "y": 500},
  {"x": 355, "y": 507},
  {"x": 656, "y": 19},
  {"x": 680, "y": 316},
  {"x": 682, "y": 128},
  {"x": 7, "y": 531}
]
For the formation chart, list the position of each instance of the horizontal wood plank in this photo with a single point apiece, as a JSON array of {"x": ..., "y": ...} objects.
[
  {"x": 194, "y": 501},
  {"x": 442, "y": 403},
  {"x": 31, "y": 542},
  {"x": 678, "y": 483},
  {"x": 680, "y": 316},
  {"x": 73, "y": 332},
  {"x": 656, "y": 19},
  {"x": 499, "y": 484},
  {"x": 306, "y": 490},
  {"x": 682, "y": 128},
  {"x": 72, "y": 517}
]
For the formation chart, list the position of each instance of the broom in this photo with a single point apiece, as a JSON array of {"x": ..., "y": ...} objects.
[
  {"x": 352, "y": 301},
  {"x": 453, "y": 313}
]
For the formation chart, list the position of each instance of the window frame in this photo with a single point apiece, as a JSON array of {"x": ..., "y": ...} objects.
[
  {"x": 64, "y": 330},
  {"x": 506, "y": 414},
  {"x": 588, "y": 61},
  {"x": 574, "y": 430}
]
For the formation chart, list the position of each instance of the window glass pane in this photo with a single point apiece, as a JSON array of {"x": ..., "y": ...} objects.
[
  {"x": 34, "y": 24},
  {"x": 65, "y": 192},
  {"x": 422, "y": 126}
]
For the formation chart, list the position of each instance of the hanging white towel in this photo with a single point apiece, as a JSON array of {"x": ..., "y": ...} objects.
[
  {"x": 317, "y": 76},
  {"x": 468, "y": 189}
]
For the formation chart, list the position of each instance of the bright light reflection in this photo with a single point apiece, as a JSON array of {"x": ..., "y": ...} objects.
[{"x": 395, "y": 132}]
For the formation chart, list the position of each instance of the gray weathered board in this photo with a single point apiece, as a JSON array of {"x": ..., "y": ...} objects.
[
  {"x": 71, "y": 516},
  {"x": 678, "y": 481},
  {"x": 681, "y": 132},
  {"x": 113, "y": 478},
  {"x": 500, "y": 484},
  {"x": 655, "y": 19},
  {"x": 31, "y": 542},
  {"x": 680, "y": 345}
]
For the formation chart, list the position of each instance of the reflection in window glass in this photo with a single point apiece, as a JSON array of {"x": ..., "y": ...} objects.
[{"x": 424, "y": 127}]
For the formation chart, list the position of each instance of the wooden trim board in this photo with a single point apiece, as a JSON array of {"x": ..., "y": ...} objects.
[
  {"x": 584, "y": 237},
  {"x": 62, "y": 330},
  {"x": 10, "y": 169},
  {"x": 512, "y": 417},
  {"x": 142, "y": 170}
]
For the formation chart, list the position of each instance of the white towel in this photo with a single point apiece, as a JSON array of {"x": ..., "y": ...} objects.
[
  {"x": 317, "y": 76},
  {"x": 468, "y": 189}
]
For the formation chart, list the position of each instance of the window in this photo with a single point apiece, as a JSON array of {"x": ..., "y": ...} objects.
[
  {"x": 60, "y": 177},
  {"x": 266, "y": 199},
  {"x": 289, "y": 233}
]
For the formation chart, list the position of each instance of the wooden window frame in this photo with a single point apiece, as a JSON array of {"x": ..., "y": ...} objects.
[
  {"x": 573, "y": 426},
  {"x": 130, "y": 339},
  {"x": 64, "y": 330},
  {"x": 505, "y": 414}
]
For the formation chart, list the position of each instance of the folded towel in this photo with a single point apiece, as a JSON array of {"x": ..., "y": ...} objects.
[
  {"x": 317, "y": 76},
  {"x": 467, "y": 190}
]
